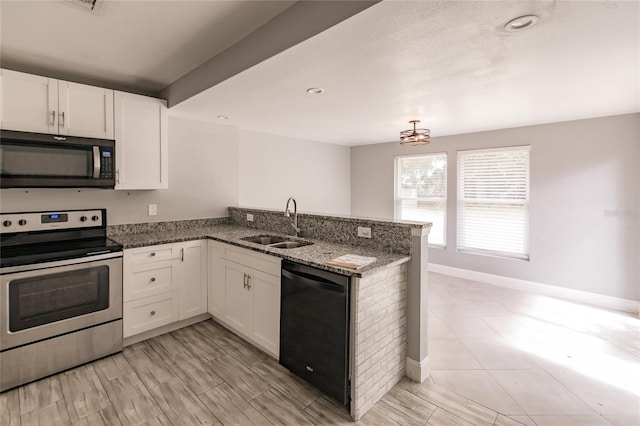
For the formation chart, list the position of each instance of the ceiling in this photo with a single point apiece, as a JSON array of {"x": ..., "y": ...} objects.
[
  {"x": 447, "y": 63},
  {"x": 142, "y": 45}
]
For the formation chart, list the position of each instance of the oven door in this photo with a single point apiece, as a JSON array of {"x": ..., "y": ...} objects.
[{"x": 58, "y": 298}]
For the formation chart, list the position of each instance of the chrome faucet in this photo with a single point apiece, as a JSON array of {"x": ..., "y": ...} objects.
[{"x": 295, "y": 214}]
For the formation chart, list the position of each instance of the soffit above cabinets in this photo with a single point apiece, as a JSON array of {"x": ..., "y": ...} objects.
[{"x": 144, "y": 45}]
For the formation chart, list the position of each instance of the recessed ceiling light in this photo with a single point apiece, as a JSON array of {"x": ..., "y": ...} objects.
[
  {"x": 521, "y": 23},
  {"x": 315, "y": 90},
  {"x": 223, "y": 117}
]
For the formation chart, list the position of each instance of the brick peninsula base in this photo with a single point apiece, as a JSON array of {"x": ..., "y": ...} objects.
[{"x": 379, "y": 336}]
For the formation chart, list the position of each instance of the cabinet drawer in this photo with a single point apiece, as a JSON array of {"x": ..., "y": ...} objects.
[
  {"x": 148, "y": 313},
  {"x": 149, "y": 281},
  {"x": 261, "y": 262},
  {"x": 153, "y": 254}
]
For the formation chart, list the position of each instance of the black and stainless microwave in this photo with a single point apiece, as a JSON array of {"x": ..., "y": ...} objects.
[{"x": 37, "y": 160}]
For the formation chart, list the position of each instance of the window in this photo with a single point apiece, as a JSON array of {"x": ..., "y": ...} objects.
[
  {"x": 421, "y": 192},
  {"x": 493, "y": 201}
]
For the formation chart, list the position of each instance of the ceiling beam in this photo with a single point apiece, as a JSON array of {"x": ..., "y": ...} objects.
[{"x": 301, "y": 21}]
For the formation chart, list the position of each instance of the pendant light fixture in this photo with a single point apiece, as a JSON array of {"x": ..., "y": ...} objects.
[{"x": 414, "y": 137}]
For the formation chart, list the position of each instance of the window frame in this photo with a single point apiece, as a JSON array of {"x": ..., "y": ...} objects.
[
  {"x": 526, "y": 202},
  {"x": 396, "y": 179}
]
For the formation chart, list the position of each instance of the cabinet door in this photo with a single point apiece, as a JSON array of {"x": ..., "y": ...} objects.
[
  {"x": 266, "y": 310},
  {"x": 238, "y": 298},
  {"x": 216, "y": 295},
  {"x": 141, "y": 142},
  {"x": 191, "y": 279},
  {"x": 29, "y": 103},
  {"x": 85, "y": 110}
]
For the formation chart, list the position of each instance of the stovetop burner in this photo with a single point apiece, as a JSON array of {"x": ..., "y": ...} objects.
[
  {"x": 37, "y": 237},
  {"x": 39, "y": 253}
]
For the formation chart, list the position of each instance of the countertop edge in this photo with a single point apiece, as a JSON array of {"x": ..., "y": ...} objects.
[{"x": 153, "y": 239}]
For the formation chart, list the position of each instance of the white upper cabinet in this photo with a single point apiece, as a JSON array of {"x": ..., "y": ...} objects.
[
  {"x": 141, "y": 142},
  {"x": 29, "y": 102},
  {"x": 85, "y": 110},
  {"x": 32, "y": 103}
]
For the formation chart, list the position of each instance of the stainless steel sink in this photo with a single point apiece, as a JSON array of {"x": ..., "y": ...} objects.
[
  {"x": 290, "y": 244},
  {"x": 276, "y": 241}
]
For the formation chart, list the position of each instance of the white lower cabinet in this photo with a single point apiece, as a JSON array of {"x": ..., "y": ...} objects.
[
  {"x": 244, "y": 293},
  {"x": 167, "y": 283},
  {"x": 191, "y": 278},
  {"x": 163, "y": 284},
  {"x": 266, "y": 310},
  {"x": 148, "y": 313},
  {"x": 238, "y": 299}
]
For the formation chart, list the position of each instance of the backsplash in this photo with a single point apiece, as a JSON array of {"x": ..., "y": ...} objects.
[
  {"x": 137, "y": 228},
  {"x": 386, "y": 235}
]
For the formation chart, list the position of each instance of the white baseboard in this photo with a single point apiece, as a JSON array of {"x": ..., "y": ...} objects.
[
  {"x": 418, "y": 371},
  {"x": 608, "y": 302}
]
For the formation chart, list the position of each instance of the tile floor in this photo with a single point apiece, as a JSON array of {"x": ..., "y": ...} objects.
[
  {"x": 204, "y": 375},
  {"x": 539, "y": 360},
  {"x": 499, "y": 357}
]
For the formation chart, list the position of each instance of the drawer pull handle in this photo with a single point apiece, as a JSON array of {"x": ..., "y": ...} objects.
[
  {"x": 152, "y": 313},
  {"x": 152, "y": 254},
  {"x": 153, "y": 279}
]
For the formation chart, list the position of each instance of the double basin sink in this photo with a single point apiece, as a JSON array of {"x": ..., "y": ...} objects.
[{"x": 276, "y": 241}]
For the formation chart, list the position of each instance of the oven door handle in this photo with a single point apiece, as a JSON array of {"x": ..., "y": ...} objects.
[
  {"x": 66, "y": 262},
  {"x": 96, "y": 161}
]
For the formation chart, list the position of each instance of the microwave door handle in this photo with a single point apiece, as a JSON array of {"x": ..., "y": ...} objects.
[{"x": 96, "y": 162}]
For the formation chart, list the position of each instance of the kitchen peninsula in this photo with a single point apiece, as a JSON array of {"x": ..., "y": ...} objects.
[{"x": 388, "y": 334}]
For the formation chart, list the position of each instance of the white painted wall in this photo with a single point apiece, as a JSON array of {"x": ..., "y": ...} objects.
[
  {"x": 585, "y": 201},
  {"x": 203, "y": 182},
  {"x": 274, "y": 168},
  {"x": 212, "y": 167}
]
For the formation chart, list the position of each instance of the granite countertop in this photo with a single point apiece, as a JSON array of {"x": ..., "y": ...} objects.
[{"x": 315, "y": 255}]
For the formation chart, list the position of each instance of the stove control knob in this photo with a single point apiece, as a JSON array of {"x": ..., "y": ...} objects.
[
  {"x": 22, "y": 222},
  {"x": 6, "y": 223},
  {"x": 95, "y": 218},
  {"x": 83, "y": 218}
]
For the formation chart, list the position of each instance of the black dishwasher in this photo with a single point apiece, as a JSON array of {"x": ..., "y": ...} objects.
[{"x": 314, "y": 328}]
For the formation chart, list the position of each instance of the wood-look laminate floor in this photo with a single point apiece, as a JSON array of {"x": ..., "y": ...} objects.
[
  {"x": 498, "y": 357},
  {"x": 205, "y": 375}
]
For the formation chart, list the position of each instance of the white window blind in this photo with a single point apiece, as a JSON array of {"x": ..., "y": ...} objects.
[
  {"x": 421, "y": 192},
  {"x": 493, "y": 201}
]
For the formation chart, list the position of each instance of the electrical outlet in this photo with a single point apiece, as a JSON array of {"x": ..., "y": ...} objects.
[
  {"x": 249, "y": 217},
  {"x": 153, "y": 209},
  {"x": 364, "y": 232}
]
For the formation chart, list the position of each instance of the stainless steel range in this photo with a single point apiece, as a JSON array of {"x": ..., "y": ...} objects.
[{"x": 60, "y": 293}]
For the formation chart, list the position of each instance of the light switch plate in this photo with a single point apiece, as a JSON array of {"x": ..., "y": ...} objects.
[
  {"x": 153, "y": 209},
  {"x": 364, "y": 232},
  {"x": 249, "y": 217}
]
